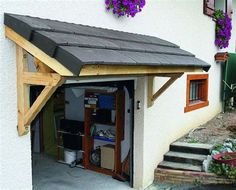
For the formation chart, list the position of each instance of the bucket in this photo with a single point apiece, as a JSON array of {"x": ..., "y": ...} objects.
[{"x": 69, "y": 156}]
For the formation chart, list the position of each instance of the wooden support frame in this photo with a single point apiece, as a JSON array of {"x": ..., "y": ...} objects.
[
  {"x": 51, "y": 72},
  {"x": 51, "y": 81},
  {"x": 152, "y": 96}
]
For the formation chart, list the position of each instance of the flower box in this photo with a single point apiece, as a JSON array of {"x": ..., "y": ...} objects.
[{"x": 226, "y": 158}]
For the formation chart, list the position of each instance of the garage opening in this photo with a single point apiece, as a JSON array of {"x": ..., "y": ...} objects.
[{"x": 83, "y": 137}]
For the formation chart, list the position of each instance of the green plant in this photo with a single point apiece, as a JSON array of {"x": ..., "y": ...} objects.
[
  {"x": 192, "y": 140},
  {"x": 218, "y": 147},
  {"x": 223, "y": 170},
  {"x": 197, "y": 182}
]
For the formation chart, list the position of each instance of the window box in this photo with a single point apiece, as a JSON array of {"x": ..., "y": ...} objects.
[{"x": 197, "y": 92}]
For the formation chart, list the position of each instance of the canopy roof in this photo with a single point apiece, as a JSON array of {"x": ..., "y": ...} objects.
[{"x": 75, "y": 45}]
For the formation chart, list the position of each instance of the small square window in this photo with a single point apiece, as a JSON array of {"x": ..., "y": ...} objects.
[{"x": 197, "y": 92}]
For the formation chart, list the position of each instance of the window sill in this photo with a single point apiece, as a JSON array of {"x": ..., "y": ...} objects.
[{"x": 195, "y": 106}]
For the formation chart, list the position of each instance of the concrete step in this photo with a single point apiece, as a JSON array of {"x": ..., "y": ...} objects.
[
  {"x": 194, "y": 159},
  {"x": 195, "y": 148},
  {"x": 179, "y": 166}
]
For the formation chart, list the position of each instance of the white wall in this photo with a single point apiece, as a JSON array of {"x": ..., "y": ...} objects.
[{"x": 179, "y": 21}]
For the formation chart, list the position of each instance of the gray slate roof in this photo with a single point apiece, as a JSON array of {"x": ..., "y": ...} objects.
[{"x": 75, "y": 45}]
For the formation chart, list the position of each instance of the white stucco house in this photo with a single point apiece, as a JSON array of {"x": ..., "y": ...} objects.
[{"x": 156, "y": 121}]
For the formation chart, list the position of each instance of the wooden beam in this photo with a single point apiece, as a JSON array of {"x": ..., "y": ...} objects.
[
  {"x": 36, "y": 52},
  {"x": 109, "y": 70},
  {"x": 152, "y": 97},
  {"x": 41, "y": 101},
  {"x": 150, "y": 90},
  {"x": 41, "y": 67},
  {"x": 45, "y": 79},
  {"x": 22, "y": 90}
]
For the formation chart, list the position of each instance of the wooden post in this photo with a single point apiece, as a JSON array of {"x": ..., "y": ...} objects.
[
  {"x": 150, "y": 90},
  {"x": 22, "y": 90}
]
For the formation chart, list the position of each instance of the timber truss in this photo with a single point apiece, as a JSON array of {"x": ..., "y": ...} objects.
[{"x": 44, "y": 76}]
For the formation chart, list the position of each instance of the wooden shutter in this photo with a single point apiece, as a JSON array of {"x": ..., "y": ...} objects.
[
  {"x": 209, "y": 7},
  {"x": 229, "y": 8}
]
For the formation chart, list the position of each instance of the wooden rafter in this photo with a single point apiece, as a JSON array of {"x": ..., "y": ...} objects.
[
  {"x": 51, "y": 81},
  {"x": 41, "y": 67},
  {"x": 153, "y": 96}
]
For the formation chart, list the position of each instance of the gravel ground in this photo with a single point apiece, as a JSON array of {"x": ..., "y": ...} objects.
[{"x": 218, "y": 129}]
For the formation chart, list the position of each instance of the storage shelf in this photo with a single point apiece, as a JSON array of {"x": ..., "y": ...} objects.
[
  {"x": 97, "y": 108},
  {"x": 108, "y": 123},
  {"x": 60, "y": 146},
  {"x": 104, "y": 139},
  {"x": 65, "y": 132}
]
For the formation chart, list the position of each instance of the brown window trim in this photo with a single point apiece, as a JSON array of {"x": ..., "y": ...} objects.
[
  {"x": 190, "y": 107},
  {"x": 209, "y": 7}
]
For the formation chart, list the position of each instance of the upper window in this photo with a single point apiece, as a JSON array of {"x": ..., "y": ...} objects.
[
  {"x": 211, "y": 5},
  {"x": 197, "y": 92}
]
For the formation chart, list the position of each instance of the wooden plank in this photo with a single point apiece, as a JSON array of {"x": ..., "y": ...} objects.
[
  {"x": 150, "y": 90},
  {"x": 120, "y": 110},
  {"x": 165, "y": 86},
  {"x": 40, "y": 102},
  {"x": 45, "y": 79},
  {"x": 41, "y": 67},
  {"x": 108, "y": 70},
  {"x": 22, "y": 90},
  {"x": 36, "y": 52}
]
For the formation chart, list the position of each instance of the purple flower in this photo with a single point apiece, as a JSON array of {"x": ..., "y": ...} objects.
[
  {"x": 125, "y": 7},
  {"x": 223, "y": 29}
]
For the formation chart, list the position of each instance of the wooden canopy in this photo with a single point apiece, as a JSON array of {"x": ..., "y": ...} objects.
[{"x": 67, "y": 56}]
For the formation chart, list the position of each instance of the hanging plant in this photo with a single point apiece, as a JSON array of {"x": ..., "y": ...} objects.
[
  {"x": 223, "y": 29},
  {"x": 125, "y": 7}
]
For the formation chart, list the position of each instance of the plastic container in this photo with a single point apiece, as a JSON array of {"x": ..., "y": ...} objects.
[
  {"x": 230, "y": 161},
  {"x": 69, "y": 156}
]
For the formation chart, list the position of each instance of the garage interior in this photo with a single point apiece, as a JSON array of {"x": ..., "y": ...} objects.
[{"x": 87, "y": 127}]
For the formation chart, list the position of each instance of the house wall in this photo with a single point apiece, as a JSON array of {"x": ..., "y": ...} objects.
[
  {"x": 184, "y": 23},
  {"x": 179, "y": 21}
]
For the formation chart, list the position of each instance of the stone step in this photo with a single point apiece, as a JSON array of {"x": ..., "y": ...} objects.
[
  {"x": 194, "y": 159},
  {"x": 195, "y": 148},
  {"x": 179, "y": 166}
]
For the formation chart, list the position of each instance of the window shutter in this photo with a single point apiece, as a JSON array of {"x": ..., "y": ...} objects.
[
  {"x": 229, "y": 9},
  {"x": 209, "y": 7}
]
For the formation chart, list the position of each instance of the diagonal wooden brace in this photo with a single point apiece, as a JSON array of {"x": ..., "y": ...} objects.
[
  {"x": 153, "y": 96},
  {"x": 51, "y": 81}
]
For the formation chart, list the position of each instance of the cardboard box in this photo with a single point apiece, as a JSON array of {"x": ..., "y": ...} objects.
[{"x": 108, "y": 156}]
